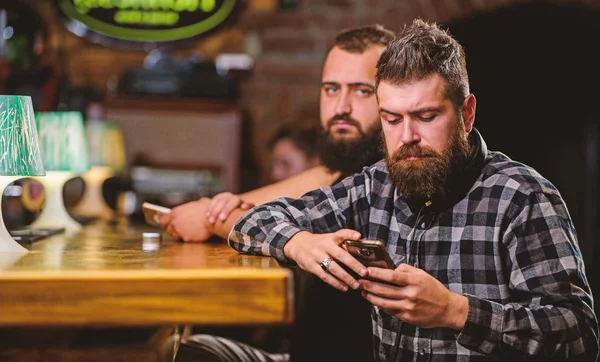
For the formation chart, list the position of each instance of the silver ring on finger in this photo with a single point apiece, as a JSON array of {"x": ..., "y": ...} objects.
[{"x": 325, "y": 264}]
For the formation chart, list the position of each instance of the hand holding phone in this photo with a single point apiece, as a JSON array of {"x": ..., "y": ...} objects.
[
  {"x": 370, "y": 253},
  {"x": 153, "y": 213}
]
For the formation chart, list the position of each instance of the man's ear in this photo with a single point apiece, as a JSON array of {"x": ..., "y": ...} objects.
[{"x": 468, "y": 112}]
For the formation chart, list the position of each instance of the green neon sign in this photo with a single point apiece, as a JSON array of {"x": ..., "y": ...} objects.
[{"x": 149, "y": 20}]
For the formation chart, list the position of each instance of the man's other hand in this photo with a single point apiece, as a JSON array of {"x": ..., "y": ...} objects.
[{"x": 416, "y": 297}]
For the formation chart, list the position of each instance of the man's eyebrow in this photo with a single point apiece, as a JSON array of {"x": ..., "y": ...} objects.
[
  {"x": 383, "y": 110},
  {"x": 425, "y": 110},
  {"x": 362, "y": 84},
  {"x": 413, "y": 113},
  {"x": 355, "y": 84}
]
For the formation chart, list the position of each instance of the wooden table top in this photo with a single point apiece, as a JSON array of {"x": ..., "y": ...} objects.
[{"x": 107, "y": 276}]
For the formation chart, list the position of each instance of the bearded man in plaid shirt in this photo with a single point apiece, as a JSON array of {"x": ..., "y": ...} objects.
[{"x": 487, "y": 264}]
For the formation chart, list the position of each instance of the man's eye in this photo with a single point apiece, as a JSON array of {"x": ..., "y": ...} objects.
[
  {"x": 330, "y": 90},
  {"x": 364, "y": 91},
  {"x": 392, "y": 121},
  {"x": 426, "y": 119}
]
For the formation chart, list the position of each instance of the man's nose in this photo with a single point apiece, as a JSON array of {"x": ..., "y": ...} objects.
[
  {"x": 344, "y": 104},
  {"x": 410, "y": 132}
]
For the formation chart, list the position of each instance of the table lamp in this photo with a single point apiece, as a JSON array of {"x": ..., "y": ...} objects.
[
  {"x": 19, "y": 152},
  {"x": 107, "y": 157},
  {"x": 65, "y": 153}
]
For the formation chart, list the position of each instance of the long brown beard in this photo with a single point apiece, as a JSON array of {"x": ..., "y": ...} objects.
[{"x": 430, "y": 175}]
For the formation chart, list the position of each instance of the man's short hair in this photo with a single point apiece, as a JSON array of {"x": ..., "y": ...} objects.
[
  {"x": 420, "y": 50},
  {"x": 358, "y": 40}
]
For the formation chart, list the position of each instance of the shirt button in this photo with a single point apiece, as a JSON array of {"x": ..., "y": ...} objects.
[
  {"x": 422, "y": 351},
  {"x": 423, "y": 225}
]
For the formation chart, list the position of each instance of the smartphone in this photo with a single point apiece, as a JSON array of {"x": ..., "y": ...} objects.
[
  {"x": 152, "y": 213},
  {"x": 370, "y": 253}
]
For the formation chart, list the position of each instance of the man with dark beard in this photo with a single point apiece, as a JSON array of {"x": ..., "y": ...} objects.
[
  {"x": 487, "y": 265},
  {"x": 351, "y": 137}
]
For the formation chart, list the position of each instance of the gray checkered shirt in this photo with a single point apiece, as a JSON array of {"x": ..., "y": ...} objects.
[{"x": 509, "y": 246}]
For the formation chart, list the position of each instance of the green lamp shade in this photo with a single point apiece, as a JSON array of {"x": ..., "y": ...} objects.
[
  {"x": 63, "y": 141},
  {"x": 107, "y": 147},
  {"x": 19, "y": 148}
]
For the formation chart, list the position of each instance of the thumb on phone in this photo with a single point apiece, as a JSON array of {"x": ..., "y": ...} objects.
[
  {"x": 346, "y": 234},
  {"x": 164, "y": 219}
]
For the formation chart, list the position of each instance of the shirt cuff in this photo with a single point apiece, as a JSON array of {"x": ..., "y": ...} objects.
[
  {"x": 281, "y": 235},
  {"x": 483, "y": 327}
]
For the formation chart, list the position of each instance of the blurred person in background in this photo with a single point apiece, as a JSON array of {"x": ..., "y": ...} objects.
[{"x": 292, "y": 149}]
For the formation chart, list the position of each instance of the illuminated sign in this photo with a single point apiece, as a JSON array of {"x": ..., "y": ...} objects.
[{"x": 146, "y": 20}]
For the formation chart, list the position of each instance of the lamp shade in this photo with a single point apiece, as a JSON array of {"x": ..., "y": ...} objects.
[
  {"x": 19, "y": 147},
  {"x": 107, "y": 156},
  {"x": 106, "y": 144},
  {"x": 63, "y": 141}
]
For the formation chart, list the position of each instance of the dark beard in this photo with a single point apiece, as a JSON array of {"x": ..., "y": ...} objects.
[
  {"x": 432, "y": 175},
  {"x": 349, "y": 157}
]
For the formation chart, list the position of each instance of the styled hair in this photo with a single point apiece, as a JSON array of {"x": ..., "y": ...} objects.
[
  {"x": 303, "y": 135},
  {"x": 358, "y": 40},
  {"x": 423, "y": 49}
]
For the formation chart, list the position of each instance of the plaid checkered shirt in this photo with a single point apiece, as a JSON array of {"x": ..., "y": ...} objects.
[{"x": 508, "y": 245}]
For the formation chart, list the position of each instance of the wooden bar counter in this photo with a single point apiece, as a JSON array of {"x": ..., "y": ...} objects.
[{"x": 106, "y": 276}]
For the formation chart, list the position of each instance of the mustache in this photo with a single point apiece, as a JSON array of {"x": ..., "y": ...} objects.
[
  {"x": 413, "y": 150},
  {"x": 343, "y": 117}
]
